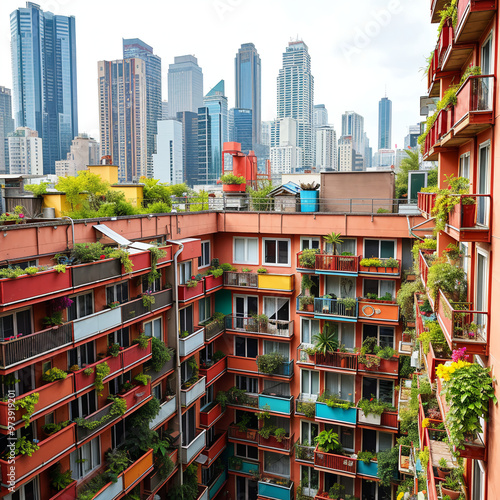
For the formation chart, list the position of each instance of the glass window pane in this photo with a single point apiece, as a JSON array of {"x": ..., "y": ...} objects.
[
  {"x": 253, "y": 250},
  {"x": 387, "y": 286},
  {"x": 384, "y": 441},
  {"x": 270, "y": 251},
  {"x": 347, "y": 388},
  {"x": 239, "y": 347},
  {"x": 252, "y": 348},
  {"x": 371, "y": 248},
  {"x": 314, "y": 383},
  {"x": 387, "y": 249},
  {"x": 306, "y": 334},
  {"x": 386, "y": 391},
  {"x": 283, "y": 252},
  {"x": 239, "y": 250}
]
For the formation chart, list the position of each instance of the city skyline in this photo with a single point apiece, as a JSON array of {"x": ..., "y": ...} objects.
[{"x": 356, "y": 57}]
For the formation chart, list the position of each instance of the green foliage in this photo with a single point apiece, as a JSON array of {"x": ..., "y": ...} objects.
[
  {"x": 124, "y": 256},
  {"x": 25, "y": 447},
  {"x": 270, "y": 363},
  {"x": 148, "y": 300},
  {"x": 436, "y": 337},
  {"x": 308, "y": 408},
  {"x": 37, "y": 189},
  {"x": 409, "y": 163},
  {"x": 326, "y": 340},
  {"x": 306, "y": 282},
  {"x": 259, "y": 197},
  {"x": 142, "y": 340},
  {"x": 334, "y": 240},
  {"x": 143, "y": 379},
  {"x": 119, "y": 406},
  {"x": 450, "y": 279},
  {"x": 102, "y": 370},
  {"x": 372, "y": 406},
  {"x": 371, "y": 262},
  {"x": 405, "y": 368},
  {"x": 60, "y": 480},
  {"x": 89, "y": 252},
  {"x": 89, "y": 184},
  {"x": 161, "y": 354},
  {"x": 54, "y": 374},
  {"x": 327, "y": 441},
  {"x": 88, "y": 371},
  {"x": 387, "y": 465},
  {"x": 232, "y": 179},
  {"x": 366, "y": 456},
  {"x": 406, "y": 297},
  {"x": 307, "y": 258},
  {"x": 92, "y": 487},
  {"x": 333, "y": 401},
  {"x": 53, "y": 428},
  {"x": 11, "y": 273},
  {"x": 28, "y": 405}
]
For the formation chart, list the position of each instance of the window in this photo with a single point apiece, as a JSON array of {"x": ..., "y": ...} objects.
[
  {"x": 383, "y": 334},
  {"x": 308, "y": 431},
  {"x": 346, "y": 436},
  {"x": 28, "y": 491},
  {"x": 184, "y": 272},
  {"x": 84, "y": 405},
  {"x": 279, "y": 347},
  {"x": 482, "y": 269},
  {"x": 15, "y": 324},
  {"x": 156, "y": 391},
  {"x": 187, "y": 369},
  {"x": 83, "y": 305},
  {"x": 273, "y": 388},
  {"x": 464, "y": 260},
  {"x": 82, "y": 355},
  {"x": 246, "y": 347},
  {"x": 345, "y": 332},
  {"x": 188, "y": 426},
  {"x": 204, "y": 309},
  {"x": 340, "y": 385},
  {"x": 309, "y": 328},
  {"x": 276, "y": 252},
  {"x": 379, "y": 288},
  {"x": 117, "y": 292},
  {"x": 309, "y": 381},
  {"x": 464, "y": 165},
  {"x": 384, "y": 249},
  {"x": 121, "y": 337},
  {"x": 245, "y": 250},
  {"x": 277, "y": 308},
  {"x": 276, "y": 463},
  {"x": 341, "y": 286},
  {"x": 245, "y": 451},
  {"x": 307, "y": 242},
  {"x": 248, "y": 384},
  {"x": 186, "y": 319},
  {"x": 347, "y": 245},
  {"x": 378, "y": 388},
  {"x": 246, "y": 488},
  {"x": 155, "y": 286},
  {"x": 376, "y": 441},
  {"x": 478, "y": 480},
  {"x": 309, "y": 480},
  {"x": 204, "y": 260},
  {"x": 153, "y": 328},
  {"x": 208, "y": 398},
  {"x": 85, "y": 459}
]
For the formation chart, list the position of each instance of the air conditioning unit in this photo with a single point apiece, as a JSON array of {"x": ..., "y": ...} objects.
[{"x": 415, "y": 361}]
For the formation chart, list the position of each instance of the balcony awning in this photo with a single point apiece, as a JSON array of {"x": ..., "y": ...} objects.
[{"x": 132, "y": 247}]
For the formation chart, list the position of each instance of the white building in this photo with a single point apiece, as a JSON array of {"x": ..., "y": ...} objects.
[
  {"x": 286, "y": 156},
  {"x": 345, "y": 154},
  {"x": 84, "y": 151},
  {"x": 25, "y": 152},
  {"x": 326, "y": 148},
  {"x": 167, "y": 162}
]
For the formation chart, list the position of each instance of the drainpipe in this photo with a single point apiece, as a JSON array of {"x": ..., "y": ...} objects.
[
  {"x": 177, "y": 357},
  {"x": 72, "y": 228}
]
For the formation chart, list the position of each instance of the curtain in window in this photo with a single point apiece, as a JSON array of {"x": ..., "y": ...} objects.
[{"x": 275, "y": 463}]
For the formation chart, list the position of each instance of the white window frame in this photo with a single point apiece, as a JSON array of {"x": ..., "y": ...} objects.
[
  {"x": 264, "y": 263},
  {"x": 338, "y": 430},
  {"x": 153, "y": 323},
  {"x": 245, "y": 456},
  {"x": 74, "y": 298},
  {"x": 246, "y": 261},
  {"x": 20, "y": 490},
  {"x": 310, "y": 240},
  {"x": 254, "y": 381},
  {"x": 81, "y": 471},
  {"x": 205, "y": 300},
  {"x": 306, "y": 392},
  {"x": 378, "y": 286},
  {"x": 309, "y": 425},
  {"x": 14, "y": 320},
  {"x": 377, "y": 395},
  {"x": 378, "y": 334},
  {"x": 307, "y": 490},
  {"x": 379, "y": 241},
  {"x": 338, "y": 390},
  {"x": 461, "y": 165},
  {"x": 247, "y": 339},
  {"x": 182, "y": 272},
  {"x": 311, "y": 335},
  {"x": 203, "y": 256}
]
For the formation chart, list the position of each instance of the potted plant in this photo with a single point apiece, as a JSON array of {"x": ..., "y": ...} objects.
[
  {"x": 306, "y": 303},
  {"x": 270, "y": 363},
  {"x": 309, "y": 197},
  {"x": 391, "y": 265},
  {"x": 452, "y": 485},
  {"x": 262, "y": 320},
  {"x": 233, "y": 183},
  {"x": 307, "y": 258},
  {"x": 336, "y": 491},
  {"x": 443, "y": 469},
  {"x": 370, "y": 264},
  {"x": 332, "y": 240},
  {"x": 327, "y": 441},
  {"x": 235, "y": 463},
  {"x": 326, "y": 340},
  {"x": 371, "y": 410},
  {"x": 349, "y": 304}
]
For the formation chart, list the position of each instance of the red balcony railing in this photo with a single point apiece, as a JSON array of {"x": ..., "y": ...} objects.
[
  {"x": 250, "y": 435},
  {"x": 424, "y": 267},
  {"x": 239, "y": 364},
  {"x": 84, "y": 381},
  {"x": 136, "y": 396},
  {"x": 339, "y": 263},
  {"x": 462, "y": 326},
  {"x": 342, "y": 360},
  {"x": 134, "y": 354},
  {"x": 285, "y": 444},
  {"x": 473, "y": 211},
  {"x": 426, "y": 202},
  {"x": 185, "y": 293},
  {"x": 475, "y": 99},
  {"x": 216, "y": 447},
  {"x": 335, "y": 463},
  {"x": 215, "y": 371},
  {"x": 389, "y": 419},
  {"x": 209, "y": 415}
]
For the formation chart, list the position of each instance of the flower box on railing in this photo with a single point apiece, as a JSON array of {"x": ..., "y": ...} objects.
[
  {"x": 213, "y": 372},
  {"x": 168, "y": 257},
  {"x": 270, "y": 488},
  {"x": 370, "y": 469},
  {"x": 32, "y": 286},
  {"x": 343, "y": 264},
  {"x": 284, "y": 444},
  {"x": 284, "y": 370},
  {"x": 134, "y": 354},
  {"x": 213, "y": 329},
  {"x": 378, "y": 310},
  {"x": 167, "y": 409},
  {"x": 335, "y": 463},
  {"x": 215, "y": 448},
  {"x": 191, "y": 343},
  {"x": 384, "y": 269},
  {"x": 276, "y": 404},
  {"x": 380, "y": 365},
  {"x": 185, "y": 293},
  {"x": 250, "y": 435},
  {"x": 83, "y": 433},
  {"x": 370, "y": 419},
  {"x": 210, "y": 414},
  {"x": 212, "y": 283},
  {"x": 49, "y": 396},
  {"x": 344, "y": 360},
  {"x": 241, "y": 364},
  {"x": 83, "y": 381},
  {"x": 247, "y": 467},
  {"x": 133, "y": 474},
  {"x": 192, "y": 393},
  {"x": 136, "y": 396},
  {"x": 336, "y": 414}
]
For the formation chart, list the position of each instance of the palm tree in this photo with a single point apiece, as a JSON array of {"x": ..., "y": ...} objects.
[
  {"x": 333, "y": 239},
  {"x": 326, "y": 341}
]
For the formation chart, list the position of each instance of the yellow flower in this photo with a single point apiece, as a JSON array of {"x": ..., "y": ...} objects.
[
  {"x": 425, "y": 423},
  {"x": 401, "y": 495}
]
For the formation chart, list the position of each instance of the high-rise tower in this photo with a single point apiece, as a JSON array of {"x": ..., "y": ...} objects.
[
  {"x": 248, "y": 85},
  {"x": 133, "y": 47},
  {"x": 6, "y": 127},
  {"x": 353, "y": 126},
  {"x": 296, "y": 94},
  {"x": 185, "y": 85},
  {"x": 43, "y": 49},
  {"x": 384, "y": 123}
]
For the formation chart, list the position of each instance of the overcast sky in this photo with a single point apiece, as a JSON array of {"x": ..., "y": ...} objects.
[{"x": 358, "y": 48}]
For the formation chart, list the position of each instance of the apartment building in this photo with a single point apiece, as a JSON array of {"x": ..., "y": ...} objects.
[
  {"x": 461, "y": 138},
  {"x": 99, "y": 315}
]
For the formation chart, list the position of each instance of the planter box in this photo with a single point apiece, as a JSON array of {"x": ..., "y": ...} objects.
[
  {"x": 216, "y": 448},
  {"x": 83, "y": 433},
  {"x": 389, "y": 366},
  {"x": 278, "y": 404},
  {"x": 234, "y": 188},
  {"x": 369, "y": 419},
  {"x": 83, "y": 381},
  {"x": 215, "y": 371},
  {"x": 369, "y": 469},
  {"x": 191, "y": 343},
  {"x": 110, "y": 491},
  {"x": 185, "y": 293},
  {"x": 190, "y": 395},
  {"x": 93, "y": 324},
  {"x": 286, "y": 444},
  {"x": 136, "y": 396},
  {"x": 377, "y": 311},
  {"x": 38, "y": 285},
  {"x": 336, "y": 414},
  {"x": 134, "y": 354},
  {"x": 250, "y": 435},
  {"x": 141, "y": 261},
  {"x": 138, "y": 469},
  {"x": 210, "y": 416},
  {"x": 275, "y": 491},
  {"x": 93, "y": 272},
  {"x": 212, "y": 283},
  {"x": 166, "y": 410}
]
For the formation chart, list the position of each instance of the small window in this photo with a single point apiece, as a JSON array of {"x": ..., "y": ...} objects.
[
  {"x": 153, "y": 328},
  {"x": 248, "y": 384},
  {"x": 379, "y": 287},
  {"x": 155, "y": 286},
  {"x": 204, "y": 309},
  {"x": 245, "y": 451},
  {"x": 383, "y": 334},
  {"x": 383, "y": 249},
  {"x": 186, "y": 319},
  {"x": 379, "y": 388},
  {"x": 309, "y": 380},
  {"x": 14, "y": 325},
  {"x": 120, "y": 337},
  {"x": 83, "y": 305},
  {"x": 464, "y": 165},
  {"x": 246, "y": 347},
  {"x": 276, "y": 463},
  {"x": 276, "y": 252},
  {"x": 204, "y": 260},
  {"x": 340, "y": 385},
  {"x": 245, "y": 251},
  {"x": 184, "y": 272},
  {"x": 310, "y": 327},
  {"x": 85, "y": 459},
  {"x": 307, "y": 242},
  {"x": 117, "y": 293}
]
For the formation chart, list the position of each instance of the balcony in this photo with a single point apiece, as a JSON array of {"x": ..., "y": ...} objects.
[
  {"x": 196, "y": 446},
  {"x": 379, "y": 365},
  {"x": 134, "y": 354},
  {"x": 424, "y": 266},
  {"x": 284, "y": 370},
  {"x": 110, "y": 491},
  {"x": 95, "y": 272},
  {"x": 191, "y": 394},
  {"x": 216, "y": 486},
  {"x": 212, "y": 283},
  {"x": 185, "y": 293},
  {"x": 266, "y": 329},
  {"x": 93, "y": 324},
  {"x": 473, "y": 18},
  {"x": 370, "y": 469},
  {"x": 426, "y": 202},
  {"x": 433, "y": 83},
  {"x": 168, "y": 257},
  {"x": 272, "y": 443},
  {"x": 251, "y": 402},
  {"x": 384, "y": 270},
  {"x": 213, "y": 330},
  {"x": 246, "y": 467},
  {"x": 210, "y": 414},
  {"x": 212, "y": 373},
  {"x": 68, "y": 493},
  {"x": 271, "y": 488},
  {"x": 51, "y": 451},
  {"x": 452, "y": 55},
  {"x": 192, "y": 343},
  {"x": 378, "y": 311},
  {"x": 135, "y": 308},
  {"x": 304, "y": 453},
  {"x": 341, "y": 265},
  {"x": 167, "y": 409},
  {"x": 250, "y": 435},
  {"x": 28, "y": 347},
  {"x": 337, "y": 361},
  {"x": 202, "y": 492},
  {"x": 469, "y": 220},
  {"x": 137, "y": 470},
  {"x": 276, "y": 404},
  {"x": 240, "y": 364},
  {"x": 50, "y": 396},
  {"x": 462, "y": 326},
  {"x": 216, "y": 447},
  {"x": 334, "y": 309},
  {"x": 329, "y": 462},
  {"x": 279, "y": 283},
  {"x": 82, "y": 433},
  {"x": 136, "y": 396},
  {"x": 243, "y": 280},
  {"x": 438, "y": 130},
  {"x": 83, "y": 381},
  {"x": 436, "y": 7},
  {"x": 336, "y": 414},
  {"x": 167, "y": 367}
]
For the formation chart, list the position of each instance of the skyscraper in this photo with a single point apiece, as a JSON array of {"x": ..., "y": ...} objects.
[
  {"x": 368, "y": 153},
  {"x": 240, "y": 128},
  {"x": 167, "y": 160},
  {"x": 286, "y": 156},
  {"x": 320, "y": 117},
  {"x": 189, "y": 122},
  {"x": 84, "y": 151},
  {"x": 412, "y": 137},
  {"x": 326, "y": 148},
  {"x": 133, "y": 47},
  {"x": 123, "y": 115},
  {"x": 204, "y": 147},
  {"x": 296, "y": 94},
  {"x": 25, "y": 152},
  {"x": 6, "y": 127},
  {"x": 385, "y": 123},
  {"x": 43, "y": 49},
  {"x": 353, "y": 126},
  {"x": 185, "y": 85},
  {"x": 215, "y": 102},
  {"x": 248, "y": 86}
]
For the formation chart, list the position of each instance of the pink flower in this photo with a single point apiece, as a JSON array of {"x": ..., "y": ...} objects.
[{"x": 21, "y": 216}]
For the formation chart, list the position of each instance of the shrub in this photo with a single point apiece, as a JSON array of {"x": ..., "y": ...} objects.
[{"x": 54, "y": 374}]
